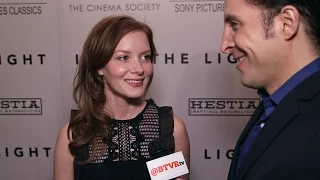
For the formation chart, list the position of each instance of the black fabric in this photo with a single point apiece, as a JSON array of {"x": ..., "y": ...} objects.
[
  {"x": 131, "y": 169},
  {"x": 288, "y": 146},
  {"x": 167, "y": 127}
]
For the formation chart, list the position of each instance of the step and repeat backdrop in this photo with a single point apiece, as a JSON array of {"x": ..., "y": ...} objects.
[{"x": 41, "y": 40}]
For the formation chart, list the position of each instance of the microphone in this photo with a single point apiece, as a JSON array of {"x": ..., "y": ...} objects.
[{"x": 163, "y": 166}]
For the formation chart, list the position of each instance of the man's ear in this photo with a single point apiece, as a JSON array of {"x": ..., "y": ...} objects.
[{"x": 290, "y": 21}]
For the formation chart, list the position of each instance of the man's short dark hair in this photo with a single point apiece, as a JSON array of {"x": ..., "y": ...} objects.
[{"x": 309, "y": 11}]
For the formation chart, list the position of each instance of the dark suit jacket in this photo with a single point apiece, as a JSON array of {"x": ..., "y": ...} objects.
[{"x": 288, "y": 146}]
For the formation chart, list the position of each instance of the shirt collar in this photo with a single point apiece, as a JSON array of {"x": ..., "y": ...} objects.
[{"x": 297, "y": 78}]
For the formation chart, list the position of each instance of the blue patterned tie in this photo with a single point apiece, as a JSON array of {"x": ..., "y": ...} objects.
[{"x": 244, "y": 148}]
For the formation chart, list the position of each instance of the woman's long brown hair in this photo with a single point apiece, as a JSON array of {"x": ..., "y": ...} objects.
[{"x": 91, "y": 120}]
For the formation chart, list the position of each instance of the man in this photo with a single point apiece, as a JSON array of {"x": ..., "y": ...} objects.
[{"x": 277, "y": 44}]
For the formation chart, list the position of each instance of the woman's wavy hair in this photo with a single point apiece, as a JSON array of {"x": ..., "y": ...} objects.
[{"x": 90, "y": 120}]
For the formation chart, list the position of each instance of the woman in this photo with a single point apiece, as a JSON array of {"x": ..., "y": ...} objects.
[{"x": 110, "y": 135}]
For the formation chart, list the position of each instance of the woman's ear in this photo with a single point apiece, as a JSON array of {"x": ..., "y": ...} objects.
[{"x": 100, "y": 72}]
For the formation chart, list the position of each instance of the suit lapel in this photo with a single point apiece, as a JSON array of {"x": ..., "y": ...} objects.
[
  {"x": 251, "y": 122},
  {"x": 245, "y": 132},
  {"x": 281, "y": 116}
]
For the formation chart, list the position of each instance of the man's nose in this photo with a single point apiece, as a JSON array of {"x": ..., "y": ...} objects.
[{"x": 227, "y": 43}]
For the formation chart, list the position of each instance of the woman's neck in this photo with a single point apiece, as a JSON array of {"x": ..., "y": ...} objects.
[{"x": 123, "y": 109}]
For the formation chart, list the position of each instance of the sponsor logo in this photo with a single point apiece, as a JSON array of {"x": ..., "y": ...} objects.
[
  {"x": 114, "y": 7},
  {"x": 222, "y": 106},
  {"x": 218, "y": 154},
  {"x": 198, "y": 6},
  {"x": 183, "y": 58},
  {"x": 22, "y": 59},
  {"x": 20, "y": 106},
  {"x": 21, "y": 9},
  {"x": 20, "y": 152},
  {"x": 165, "y": 167}
]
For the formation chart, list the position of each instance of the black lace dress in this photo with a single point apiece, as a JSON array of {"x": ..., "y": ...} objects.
[{"x": 127, "y": 152}]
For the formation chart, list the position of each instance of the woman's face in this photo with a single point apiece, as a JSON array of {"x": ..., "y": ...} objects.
[{"x": 129, "y": 71}]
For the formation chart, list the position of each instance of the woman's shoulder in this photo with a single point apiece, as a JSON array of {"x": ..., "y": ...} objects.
[
  {"x": 167, "y": 111},
  {"x": 64, "y": 132},
  {"x": 179, "y": 125},
  {"x": 151, "y": 102}
]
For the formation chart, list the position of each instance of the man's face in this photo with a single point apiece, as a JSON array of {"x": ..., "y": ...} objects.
[{"x": 259, "y": 58}]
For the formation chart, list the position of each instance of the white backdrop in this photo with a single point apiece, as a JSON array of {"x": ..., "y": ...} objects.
[{"x": 39, "y": 41}]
